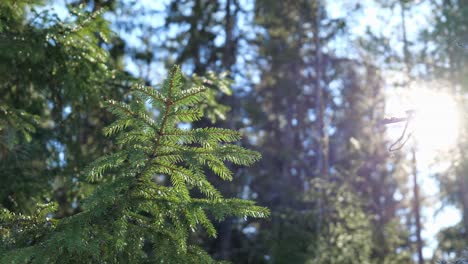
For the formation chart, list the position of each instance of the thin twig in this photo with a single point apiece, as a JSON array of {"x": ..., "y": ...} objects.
[{"x": 392, "y": 148}]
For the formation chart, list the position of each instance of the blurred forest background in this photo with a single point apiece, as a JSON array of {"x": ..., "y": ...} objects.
[{"x": 310, "y": 87}]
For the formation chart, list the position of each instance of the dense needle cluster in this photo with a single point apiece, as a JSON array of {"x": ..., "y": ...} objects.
[{"x": 151, "y": 194}]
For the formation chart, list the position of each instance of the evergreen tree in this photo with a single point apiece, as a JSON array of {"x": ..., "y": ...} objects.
[
  {"x": 360, "y": 155},
  {"x": 56, "y": 71},
  {"x": 151, "y": 192},
  {"x": 292, "y": 80},
  {"x": 353, "y": 104},
  {"x": 346, "y": 235}
]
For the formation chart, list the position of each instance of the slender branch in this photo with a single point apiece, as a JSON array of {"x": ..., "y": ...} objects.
[
  {"x": 163, "y": 125},
  {"x": 392, "y": 120}
]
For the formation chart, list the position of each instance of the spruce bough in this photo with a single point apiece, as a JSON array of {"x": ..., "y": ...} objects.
[{"x": 151, "y": 193}]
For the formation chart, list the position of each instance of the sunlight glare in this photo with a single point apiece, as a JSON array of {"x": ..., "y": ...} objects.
[{"x": 436, "y": 119}]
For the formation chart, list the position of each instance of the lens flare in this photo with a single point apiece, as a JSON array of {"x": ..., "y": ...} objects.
[{"x": 435, "y": 118}]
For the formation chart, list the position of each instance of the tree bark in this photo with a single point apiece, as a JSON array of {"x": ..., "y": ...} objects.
[
  {"x": 416, "y": 198},
  {"x": 417, "y": 207}
]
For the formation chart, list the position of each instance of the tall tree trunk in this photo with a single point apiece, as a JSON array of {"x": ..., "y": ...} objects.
[
  {"x": 322, "y": 155},
  {"x": 416, "y": 198},
  {"x": 417, "y": 207},
  {"x": 322, "y": 146},
  {"x": 228, "y": 59}
]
